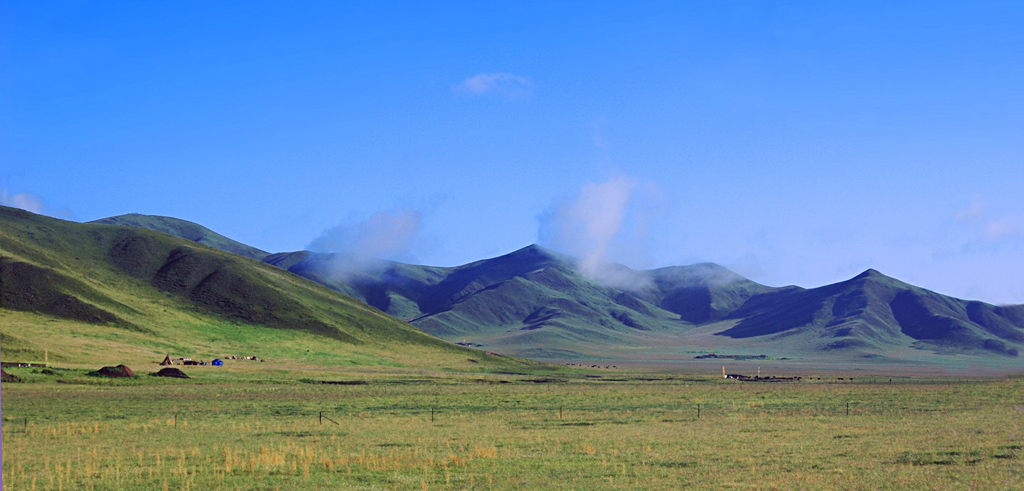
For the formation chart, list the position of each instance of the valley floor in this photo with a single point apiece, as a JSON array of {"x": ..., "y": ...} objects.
[
  {"x": 572, "y": 429},
  {"x": 702, "y": 350}
]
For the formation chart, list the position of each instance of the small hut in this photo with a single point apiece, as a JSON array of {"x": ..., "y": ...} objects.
[
  {"x": 171, "y": 372},
  {"x": 117, "y": 372},
  {"x": 217, "y": 363},
  {"x": 167, "y": 361},
  {"x": 9, "y": 378}
]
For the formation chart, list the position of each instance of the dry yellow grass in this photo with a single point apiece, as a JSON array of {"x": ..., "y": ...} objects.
[{"x": 611, "y": 435}]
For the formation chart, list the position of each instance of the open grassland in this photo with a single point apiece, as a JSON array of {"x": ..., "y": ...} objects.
[
  {"x": 566, "y": 430},
  {"x": 33, "y": 338}
]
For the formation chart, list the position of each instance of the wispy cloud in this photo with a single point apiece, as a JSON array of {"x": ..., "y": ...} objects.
[
  {"x": 25, "y": 201},
  {"x": 33, "y": 203},
  {"x": 1007, "y": 226},
  {"x": 991, "y": 226},
  {"x": 973, "y": 211},
  {"x": 387, "y": 235},
  {"x": 500, "y": 83},
  {"x": 599, "y": 223}
]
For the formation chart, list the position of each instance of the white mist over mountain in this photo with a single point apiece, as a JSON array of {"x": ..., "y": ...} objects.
[
  {"x": 363, "y": 246},
  {"x": 604, "y": 224}
]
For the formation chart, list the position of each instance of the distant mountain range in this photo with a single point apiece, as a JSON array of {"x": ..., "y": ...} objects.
[{"x": 535, "y": 303}]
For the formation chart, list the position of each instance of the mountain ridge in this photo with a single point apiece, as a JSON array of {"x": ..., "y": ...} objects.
[
  {"x": 535, "y": 302},
  {"x": 186, "y": 230}
]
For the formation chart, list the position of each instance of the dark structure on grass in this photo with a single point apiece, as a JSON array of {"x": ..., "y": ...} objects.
[
  {"x": 120, "y": 371},
  {"x": 171, "y": 372},
  {"x": 8, "y": 377}
]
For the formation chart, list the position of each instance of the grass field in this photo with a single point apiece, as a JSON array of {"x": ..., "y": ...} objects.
[
  {"x": 585, "y": 429},
  {"x": 413, "y": 412}
]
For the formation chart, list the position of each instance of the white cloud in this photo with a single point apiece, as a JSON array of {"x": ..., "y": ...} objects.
[
  {"x": 25, "y": 201},
  {"x": 364, "y": 247},
  {"x": 505, "y": 84},
  {"x": 1008, "y": 225},
  {"x": 974, "y": 211},
  {"x": 990, "y": 226},
  {"x": 599, "y": 224},
  {"x": 385, "y": 235},
  {"x": 34, "y": 204}
]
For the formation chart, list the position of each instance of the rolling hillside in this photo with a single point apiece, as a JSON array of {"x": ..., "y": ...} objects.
[
  {"x": 531, "y": 302},
  {"x": 535, "y": 303},
  {"x": 186, "y": 230},
  {"x": 94, "y": 293}
]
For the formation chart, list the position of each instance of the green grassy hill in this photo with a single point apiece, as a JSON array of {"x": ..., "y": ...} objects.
[
  {"x": 535, "y": 303},
  {"x": 531, "y": 302},
  {"x": 186, "y": 230},
  {"x": 90, "y": 294}
]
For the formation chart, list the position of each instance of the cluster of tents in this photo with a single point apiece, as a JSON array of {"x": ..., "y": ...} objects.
[{"x": 217, "y": 362}]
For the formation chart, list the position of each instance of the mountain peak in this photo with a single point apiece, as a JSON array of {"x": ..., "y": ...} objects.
[
  {"x": 534, "y": 248},
  {"x": 536, "y": 251},
  {"x": 871, "y": 273},
  {"x": 876, "y": 277}
]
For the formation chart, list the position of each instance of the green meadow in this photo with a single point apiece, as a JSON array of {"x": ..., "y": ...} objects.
[
  {"x": 403, "y": 410},
  {"x": 393, "y": 428}
]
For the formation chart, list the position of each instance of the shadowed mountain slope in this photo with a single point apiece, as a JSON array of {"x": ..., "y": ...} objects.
[
  {"x": 872, "y": 311},
  {"x": 699, "y": 293}
]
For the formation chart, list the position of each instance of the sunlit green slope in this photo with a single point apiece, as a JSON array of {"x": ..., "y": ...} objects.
[
  {"x": 186, "y": 230},
  {"x": 91, "y": 293}
]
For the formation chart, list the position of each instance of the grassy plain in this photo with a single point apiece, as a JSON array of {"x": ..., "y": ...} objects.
[{"x": 567, "y": 429}]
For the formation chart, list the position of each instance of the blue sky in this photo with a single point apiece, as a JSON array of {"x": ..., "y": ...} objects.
[{"x": 794, "y": 142}]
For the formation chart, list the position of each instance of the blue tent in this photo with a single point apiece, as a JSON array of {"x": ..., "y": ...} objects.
[{"x": 217, "y": 363}]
